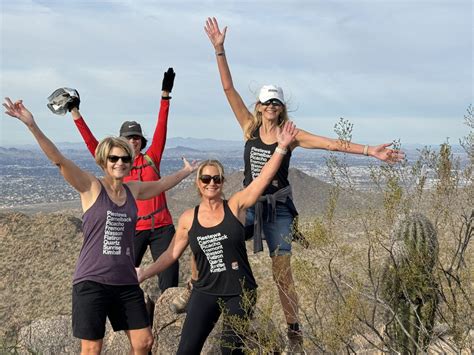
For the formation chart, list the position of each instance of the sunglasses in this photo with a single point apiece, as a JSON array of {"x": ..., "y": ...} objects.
[
  {"x": 126, "y": 159},
  {"x": 273, "y": 102},
  {"x": 206, "y": 179},
  {"x": 134, "y": 137}
]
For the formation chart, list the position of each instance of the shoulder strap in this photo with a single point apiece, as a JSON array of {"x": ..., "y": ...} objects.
[
  {"x": 195, "y": 223},
  {"x": 152, "y": 164},
  {"x": 196, "y": 210}
]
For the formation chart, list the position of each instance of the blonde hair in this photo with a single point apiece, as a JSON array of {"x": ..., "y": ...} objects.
[
  {"x": 256, "y": 121},
  {"x": 210, "y": 162},
  {"x": 105, "y": 146}
]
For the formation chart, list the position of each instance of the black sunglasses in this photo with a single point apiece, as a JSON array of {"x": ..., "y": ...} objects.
[
  {"x": 273, "y": 102},
  {"x": 135, "y": 137},
  {"x": 126, "y": 159},
  {"x": 206, "y": 179}
]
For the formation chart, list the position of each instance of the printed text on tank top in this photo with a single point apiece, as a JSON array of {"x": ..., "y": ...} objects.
[{"x": 259, "y": 157}]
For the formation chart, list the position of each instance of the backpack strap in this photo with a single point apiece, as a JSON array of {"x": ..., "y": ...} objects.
[
  {"x": 152, "y": 164},
  {"x": 149, "y": 162}
]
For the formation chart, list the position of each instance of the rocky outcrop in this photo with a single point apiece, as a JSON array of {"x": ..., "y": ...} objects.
[
  {"x": 54, "y": 335},
  {"x": 48, "y": 336}
]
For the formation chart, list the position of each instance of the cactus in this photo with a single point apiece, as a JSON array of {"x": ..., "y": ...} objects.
[{"x": 409, "y": 286}]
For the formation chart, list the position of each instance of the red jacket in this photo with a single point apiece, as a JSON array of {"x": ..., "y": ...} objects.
[{"x": 143, "y": 171}]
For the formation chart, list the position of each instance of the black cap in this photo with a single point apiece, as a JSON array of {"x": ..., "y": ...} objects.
[{"x": 132, "y": 128}]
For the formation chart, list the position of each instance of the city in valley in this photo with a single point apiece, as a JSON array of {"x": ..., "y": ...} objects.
[{"x": 28, "y": 178}]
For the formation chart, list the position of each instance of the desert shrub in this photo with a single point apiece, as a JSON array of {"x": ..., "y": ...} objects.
[{"x": 343, "y": 278}]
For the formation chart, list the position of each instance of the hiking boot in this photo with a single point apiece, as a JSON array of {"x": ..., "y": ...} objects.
[
  {"x": 179, "y": 304},
  {"x": 295, "y": 343}
]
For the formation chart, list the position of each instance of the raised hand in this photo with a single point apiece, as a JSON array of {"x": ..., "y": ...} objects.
[
  {"x": 18, "y": 110},
  {"x": 190, "y": 167},
  {"x": 286, "y": 134},
  {"x": 216, "y": 37},
  {"x": 168, "y": 80},
  {"x": 386, "y": 154},
  {"x": 74, "y": 103}
]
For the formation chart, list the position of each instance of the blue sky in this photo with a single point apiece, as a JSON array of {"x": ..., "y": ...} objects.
[{"x": 395, "y": 69}]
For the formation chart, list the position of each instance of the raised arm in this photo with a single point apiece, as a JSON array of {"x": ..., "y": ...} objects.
[
  {"x": 248, "y": 196},
  {"x": 381, "y": 151},
  {"x": 217, "y": 39},
  {"x": 87, "y": 136},
  {"x": 177, "y": 246},
  {"x": 78, "y": 178},
  {"x": 73, "y": 107},
  {"x": 144, "y": 190},
  {"x": 158, "y": 142}
]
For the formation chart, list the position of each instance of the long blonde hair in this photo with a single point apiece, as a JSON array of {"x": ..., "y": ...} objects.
[{"x": 256, "y": 121}]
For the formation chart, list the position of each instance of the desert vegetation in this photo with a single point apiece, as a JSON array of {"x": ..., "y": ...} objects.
[
  {"x": 392, "y": 274},
  {"x": 389, "y": 272}
]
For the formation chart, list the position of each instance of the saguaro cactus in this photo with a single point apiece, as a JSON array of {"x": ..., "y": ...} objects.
[{"x": 409, "y": 287}]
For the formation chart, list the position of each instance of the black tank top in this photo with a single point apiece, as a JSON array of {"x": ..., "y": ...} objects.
[
  {"x": 256, "y": 154},
  {"x": 221, "y": 256}
]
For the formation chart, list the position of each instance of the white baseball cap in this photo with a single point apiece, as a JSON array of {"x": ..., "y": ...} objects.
[{"x": 268, "y": 92}]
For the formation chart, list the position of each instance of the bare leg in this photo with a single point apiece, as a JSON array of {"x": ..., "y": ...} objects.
[
  {"x": 141, "y": 341},
  {"x": 283, "y": 277},
  {"x": 91, "y": 347}
]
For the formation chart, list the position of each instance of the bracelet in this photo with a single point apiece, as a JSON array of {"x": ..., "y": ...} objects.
[
  {"x": 280, "y": 150},
  {"x": 366, "y": 150},
  {"x": 220, "y": 54}
]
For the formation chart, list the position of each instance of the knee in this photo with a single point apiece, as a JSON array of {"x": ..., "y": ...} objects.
[
  {"x": 91, "y": 348},
  {"x": 144, "y": 344}
]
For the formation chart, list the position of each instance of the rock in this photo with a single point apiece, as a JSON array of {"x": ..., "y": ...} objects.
[{"x": 48, "y": 336}]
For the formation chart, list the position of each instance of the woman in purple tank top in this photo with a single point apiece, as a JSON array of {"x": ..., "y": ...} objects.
[
  {"x": 215, "y": 232},
  {"x": 105, "y": 282}
]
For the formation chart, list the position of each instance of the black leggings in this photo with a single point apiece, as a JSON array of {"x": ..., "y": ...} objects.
[
  {"x": 204, "y": 311},
  {"x": 158, "y": 240}
]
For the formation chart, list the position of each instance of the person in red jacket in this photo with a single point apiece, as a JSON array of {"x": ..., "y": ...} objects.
[{"x": 154, "y": 226}]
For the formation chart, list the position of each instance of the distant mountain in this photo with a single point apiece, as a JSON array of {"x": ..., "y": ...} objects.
[
  {"x": 310, "y": 194},
  {"x": 217, "y": 145},
  {"x": 205, "y": 144}
]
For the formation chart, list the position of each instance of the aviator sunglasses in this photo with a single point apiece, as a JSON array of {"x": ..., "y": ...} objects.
[
  {"x": 206, "y": 179},
  {"x": 273, "y": 102},
  {"x": 126, "y": 159}
]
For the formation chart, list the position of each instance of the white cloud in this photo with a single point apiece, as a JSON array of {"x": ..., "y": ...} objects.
[{"x": 405, "y": 59}]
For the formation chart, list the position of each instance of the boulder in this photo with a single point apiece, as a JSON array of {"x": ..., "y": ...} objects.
[{"x": 48, "y": 336}]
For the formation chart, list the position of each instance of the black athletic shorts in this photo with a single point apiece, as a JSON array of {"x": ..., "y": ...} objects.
[{"x": 92, "y": 302}]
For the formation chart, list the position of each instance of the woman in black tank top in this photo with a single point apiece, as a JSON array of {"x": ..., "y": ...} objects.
[
  {"x": 215, "y": 231},
  {"x": 105, "y": 283},
  {"x": 259, "y": 129}
]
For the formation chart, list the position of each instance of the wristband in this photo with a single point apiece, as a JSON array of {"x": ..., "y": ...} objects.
[
  {"x": 220, "y": 54},
  {"x": 166, "y": 97},
  {"x": 280, "y": 150},
  {"x": 366, "y": 150}
]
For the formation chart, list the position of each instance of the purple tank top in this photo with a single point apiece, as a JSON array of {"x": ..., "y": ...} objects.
[{"x": 107, "y": 251}]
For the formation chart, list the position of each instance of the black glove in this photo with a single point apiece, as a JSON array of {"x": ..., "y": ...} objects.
[
  {"x": 73, "y": 103},
  {"x": 168, "y": 80}
]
